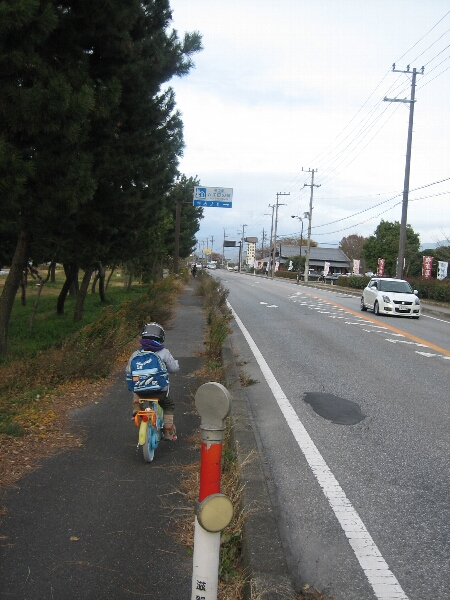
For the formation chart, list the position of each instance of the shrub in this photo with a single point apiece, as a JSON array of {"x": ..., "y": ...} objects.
[
  {"x": 286, "y": 274},
  {"x": 431, "y": 289},
  {"x": 218, "y": 315},
  {"x": 358, "y": 283}
]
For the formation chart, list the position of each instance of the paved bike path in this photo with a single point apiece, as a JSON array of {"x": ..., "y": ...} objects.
[{"x": 92, "y": 522}]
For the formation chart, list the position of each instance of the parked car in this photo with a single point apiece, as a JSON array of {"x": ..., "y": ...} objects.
[{"x": 391, "y": 297}]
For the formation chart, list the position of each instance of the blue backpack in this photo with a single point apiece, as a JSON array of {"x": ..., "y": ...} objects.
[{"x": 148, "y": 373}]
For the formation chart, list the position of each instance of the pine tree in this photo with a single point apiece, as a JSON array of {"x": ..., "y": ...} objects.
[
  {"x": 44, "y": 110},
  {"x": 90, "y": 139}
]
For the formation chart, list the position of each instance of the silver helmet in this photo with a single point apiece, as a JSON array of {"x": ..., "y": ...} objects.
[{"x": 153, "y": 331}]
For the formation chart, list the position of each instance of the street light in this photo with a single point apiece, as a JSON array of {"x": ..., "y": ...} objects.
[{"x": 301, "y": 244}]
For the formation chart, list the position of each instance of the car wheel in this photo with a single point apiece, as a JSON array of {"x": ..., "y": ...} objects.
[
  {"x": 376, "y": 308},
  {"x": 414, "y": 317},
  {"x": 363, "y": 307}
]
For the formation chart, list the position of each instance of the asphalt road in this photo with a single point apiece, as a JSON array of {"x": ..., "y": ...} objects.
[{"x": 352, "y": 414}]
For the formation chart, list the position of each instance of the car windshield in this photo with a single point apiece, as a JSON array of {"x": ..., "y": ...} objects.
[{"x": 399, "y": 287}]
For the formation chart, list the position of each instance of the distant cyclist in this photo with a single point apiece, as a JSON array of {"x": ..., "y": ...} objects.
[{"x": 152, "y": 340}]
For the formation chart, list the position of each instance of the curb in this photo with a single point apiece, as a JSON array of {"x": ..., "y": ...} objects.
[{"x": 265, "y": 566}]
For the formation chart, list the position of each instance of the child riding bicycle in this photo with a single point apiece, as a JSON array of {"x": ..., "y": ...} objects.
[{"x": 152, "y": 340}]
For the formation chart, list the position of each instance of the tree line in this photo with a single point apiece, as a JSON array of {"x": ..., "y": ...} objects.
[
  {"x": 90, "y": 139},
  {"x": 384, "y": 244}
]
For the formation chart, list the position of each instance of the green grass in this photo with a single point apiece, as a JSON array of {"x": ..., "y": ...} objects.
[{"x": 49, "y": 329}]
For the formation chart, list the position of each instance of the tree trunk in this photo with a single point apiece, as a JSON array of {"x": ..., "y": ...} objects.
[
  {"x": 53, "y": 272},
  {"x": 155, "y": 270},
  {"x": 101, "y": 283},
  {"x": 71, "y": 271},
  {"x": 94, "y": 282},
  {"x": 129, "y": 276},
  {"x": 78, "y": 315},
  {"x": 74, "y": 286},
  {"x": 113, "y": 268},
  {"x": 36, "y": 302},
  {"x": 10, "y": 289},
  {"x": 42, "y": 282},
  {"x": 23, "y": 285}
]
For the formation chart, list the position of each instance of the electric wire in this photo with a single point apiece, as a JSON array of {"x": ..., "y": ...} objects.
[
  {"x": 334, "y": 149},
  {"x": 422, "y": 187},
  {"x": 423, "y": 37}
]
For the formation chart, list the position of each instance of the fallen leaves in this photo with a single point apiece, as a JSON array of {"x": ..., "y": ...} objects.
[{"x": 47, "y": 429}]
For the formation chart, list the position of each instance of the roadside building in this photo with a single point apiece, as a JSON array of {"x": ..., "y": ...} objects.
[
  {"x": 318, "y": 256},
  {"x": 251, "y": 253}
]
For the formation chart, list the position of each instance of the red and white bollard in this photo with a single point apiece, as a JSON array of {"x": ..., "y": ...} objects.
[{"x": 214, "y": 510}]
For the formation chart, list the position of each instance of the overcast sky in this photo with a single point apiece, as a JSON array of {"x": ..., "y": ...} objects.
[{"x": 286, "y": 86}]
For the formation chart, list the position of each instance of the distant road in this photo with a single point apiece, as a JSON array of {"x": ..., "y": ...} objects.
[{"x": 352, "y": 413}]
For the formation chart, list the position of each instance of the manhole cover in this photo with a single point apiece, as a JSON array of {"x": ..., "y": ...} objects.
[{"x": 335, "y": 409}]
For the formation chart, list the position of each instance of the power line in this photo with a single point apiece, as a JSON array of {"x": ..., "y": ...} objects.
[
  {"x": 380, "y": 203},
  {"x": 423, "y": 37},
  {"x": 362, "y": 129}
]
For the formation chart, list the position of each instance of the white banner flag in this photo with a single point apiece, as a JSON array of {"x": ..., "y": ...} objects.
[{"x": 442, "y": 269}]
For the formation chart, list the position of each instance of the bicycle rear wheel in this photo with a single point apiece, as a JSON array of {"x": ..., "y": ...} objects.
[{"x": 151, "y": 443}]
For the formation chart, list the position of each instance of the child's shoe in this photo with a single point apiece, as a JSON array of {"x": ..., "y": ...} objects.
[{"x": 170, "y": 434}]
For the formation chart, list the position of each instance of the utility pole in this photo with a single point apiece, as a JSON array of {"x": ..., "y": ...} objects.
[
  {"x": 263, "y": 241},
  {"x": 275, "y": 232},
  {"x": 176, "y": 251},
  {"x": 242, "y": 245},
  {"x": 269, "y": 269},
  {"x": 223, "y": 247},
  {"x": 312, "y": 185},
  {"x": 301, "y": 244},
  {"x": 402, "y": 241}
]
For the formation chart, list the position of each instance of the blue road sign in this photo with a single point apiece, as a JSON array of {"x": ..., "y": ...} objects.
[
  {"x": 213, "y": 196},
  {"x": 215, "y": 203}
]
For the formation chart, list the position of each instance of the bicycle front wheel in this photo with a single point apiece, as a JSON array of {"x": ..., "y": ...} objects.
[{"x": 150, "y": 444}]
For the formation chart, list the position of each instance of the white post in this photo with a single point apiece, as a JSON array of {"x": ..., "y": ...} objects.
[
  {"x": 214, "y": 510},
  {"x": 205, "y": 573}
]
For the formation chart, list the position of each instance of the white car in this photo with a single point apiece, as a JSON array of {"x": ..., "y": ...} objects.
[{"x": 391, "y": 297}]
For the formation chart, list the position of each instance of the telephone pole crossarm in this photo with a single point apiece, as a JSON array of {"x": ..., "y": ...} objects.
[{"x": 405, "y": 100}]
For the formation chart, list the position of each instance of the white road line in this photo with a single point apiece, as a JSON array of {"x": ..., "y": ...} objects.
[
  {"x": 384, "y": 583},
  {"x": 435, "y": 318}
]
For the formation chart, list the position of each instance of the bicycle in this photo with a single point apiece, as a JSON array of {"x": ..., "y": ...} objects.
[{"x": 150, "y": 421}]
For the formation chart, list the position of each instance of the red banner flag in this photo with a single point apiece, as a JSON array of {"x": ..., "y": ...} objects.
[{"x": 427, "y": 265}]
